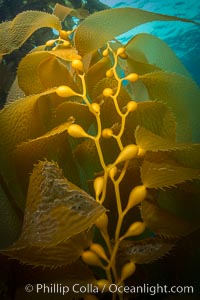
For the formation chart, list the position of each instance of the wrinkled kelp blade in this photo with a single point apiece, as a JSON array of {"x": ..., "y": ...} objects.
[
  {"x": 74, "y": 111},
  {"x": 19, "y": 121},
  {"x": 14, "y": 33},
  {"x": 53, "y": 145},
  {"x": 68, "y": 210},
  {"x": 15, "y": 92},
  {"x": 152, "y": 142},
  {"x": 41, "y": 70},
  {"x": 145, "y": 251},
  {"x": 67, "y": 54},
  {"x": 97, "y": 73},
  {"x": 155, "y": 117},
  {"x": 62, "y": 12},
  {"x": 181, "y": 94},
  {"x": 54, "y": 256},
  {"x": 103, "y": 26},
  {"x": 135, "y": 66},
  {"x": 160, "y": 175},
  {"x": 152, "y": 54},
  {"x": 56, "y": 218}
]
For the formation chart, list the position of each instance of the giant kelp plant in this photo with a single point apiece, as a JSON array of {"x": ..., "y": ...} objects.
[{"x": 99, "y": 148}]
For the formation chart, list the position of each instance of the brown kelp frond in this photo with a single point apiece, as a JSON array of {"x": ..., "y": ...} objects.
[
  {"x": 62, "y": 12},
  {"x": 57, "y": 219},
  {"x": 145, "y": 251},
  {"x": 42, "y": 70},
  {"x": 160, "y": 175},
  {"x": 19, "y": 121},
  {"x": 30, "y": 152},
  {"x": 103, "y": 26},
  {"x": 155, "y": 117},
  {"x": 137, "y": 51},
  {"x": 118, "y": 122},
  {"x": 147, "y": 140},
  {"x": 22, "y": 26},
  {"x": 182, "y": 95},
  {"x": 24, "y": 123}
]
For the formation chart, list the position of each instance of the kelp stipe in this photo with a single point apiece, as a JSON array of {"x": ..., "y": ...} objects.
[{"x": 106, "y": 132}]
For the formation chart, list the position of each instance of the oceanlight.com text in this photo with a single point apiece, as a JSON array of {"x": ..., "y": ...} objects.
[
  {"x": 76, "y": 288},
  {"x": 151, "y": 289}
]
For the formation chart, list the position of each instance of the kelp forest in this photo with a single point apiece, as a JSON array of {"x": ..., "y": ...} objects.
[{"x": 99, "y": 155}]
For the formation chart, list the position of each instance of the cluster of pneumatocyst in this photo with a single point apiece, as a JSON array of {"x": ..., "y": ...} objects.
[
  {"x": 96, "y": 255},
  {"x": 62, "y": 40}
]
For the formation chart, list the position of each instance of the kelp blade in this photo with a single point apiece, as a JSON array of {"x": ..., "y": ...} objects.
[
  {"x": 41, "y": 70},
  {"x": 31, "y": 152},
  {"x": 147, "y": 140},
  {"x": 137, "y": 50},
  {"x": 182, "y": 95},
  {"x": 145, "y": 251},
  {"x": 57, "y": 221},
  {"x": 164, "y": 174},
  {"x": 154, "y": 117},
  {"x": 103, "y": 26},
  {"x": 62, "y": 12},
  {"x": 14, "y": 33},
  {"x": 19, "y": 122}
]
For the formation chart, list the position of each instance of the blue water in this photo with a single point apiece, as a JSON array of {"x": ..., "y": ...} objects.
[{"x": 183, "y": 38}]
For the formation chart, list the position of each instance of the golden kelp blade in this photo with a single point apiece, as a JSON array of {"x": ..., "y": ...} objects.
[
  {"x": 50, "y": 256},
  {"x": 96, "y": 73},
  {"x": 103, "y": 26},
  {"x": 41, "y": 70},
  {"x": 57, "y": 220},
  {"x": 145, "y": 251},
  {"x": 137, "y": 50},
  {"x": 147, "y": 140},
  {"x": 164, "y": 174},
  {"x": 14, "y": 33},
  {"x": 182, "y": 95},
  {"x": 15, "y": 92},
  {"x": 19, "y": 121},
  {"x": 22, "y": 120},
  {"x": 135, "y": 65},
  {"x": 53, "y": 145},
  {"x": 62, "y": 12},
  {"x": 155, "y": 117},
  {"x": 72, "y": 110}
]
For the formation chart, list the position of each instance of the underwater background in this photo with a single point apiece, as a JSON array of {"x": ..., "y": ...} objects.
[{"x": 187, "y": 45}]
